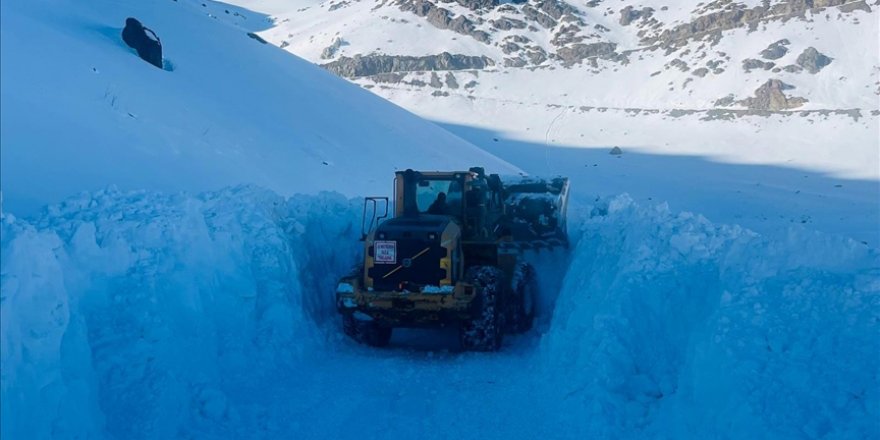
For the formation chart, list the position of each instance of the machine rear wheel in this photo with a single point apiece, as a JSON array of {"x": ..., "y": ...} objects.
[{"x": 486, "y": 331}]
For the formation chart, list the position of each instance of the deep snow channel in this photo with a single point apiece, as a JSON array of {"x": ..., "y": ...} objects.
[{"x": 146, "y": 315}]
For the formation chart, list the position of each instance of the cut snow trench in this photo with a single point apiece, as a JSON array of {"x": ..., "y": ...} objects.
[{"x": 180, "y": 316}]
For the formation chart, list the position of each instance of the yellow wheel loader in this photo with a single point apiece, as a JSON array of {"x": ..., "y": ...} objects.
[{"x": 451, "y": 255}]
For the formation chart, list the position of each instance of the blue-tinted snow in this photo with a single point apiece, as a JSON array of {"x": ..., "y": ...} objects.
[{"x": 144, "y": 315}]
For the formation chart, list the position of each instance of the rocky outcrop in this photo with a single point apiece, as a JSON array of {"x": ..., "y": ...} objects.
[
  {"x": 726, "y": 101},
  {"x": 478, "y": 4},
  {"x": 435, "y": 81},
  {"x": 510, "y": 47},
  {"x": 330, "y": 51},
  {"x": 536, "y": 55},
  {"x": 776, "y": 50},
  {"x": 370, "y": 65},
  {"x": 679, "y": 64},
  {"x": 750, "y": 64},
  {"x": 771, "y": 96},
  {"x": 556, "y": 9},
  {"x": 578, "y": 52},
  {"x": 714, "y": 66},
  {"x": 630, "y": 14},
  {"x": 335, "y": 6},
  {"x": 450, "y": 81},
  {"x": 812, "y": 60},
  {"x": 566, "y": 35},
  {"x": 506, "y": 24},
  {"x": 860, "y": 5},
  {"x": 539, "y": 17},
  {"x": 732, "y": 16},
  {"x": 444, "y": 19},
  {"x": 701, "y": 72},
  {"x": 257, "y": 37}
]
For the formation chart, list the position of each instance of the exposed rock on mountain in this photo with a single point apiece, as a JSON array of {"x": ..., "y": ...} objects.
[
  {"x": 444, "y": 19},
  {"x": 771, "y": 96},
  {"x": 735, "y": 15},
  {"x": 578, "y": 52},
  {"x": 812, "y": 60},
  {"x": 478, "y": 4},
  {"x": 506, "y": 24},
  {"x": 647, "y": 55},
  {"x": 776, "y": 50},
  {"x": 369, "y": 65},
  {"x": 701, "y": 72},
  {"x": 629, "y": 14},
  {"x": 751, "y": 63},
  {"x": 330, "y": 51}
]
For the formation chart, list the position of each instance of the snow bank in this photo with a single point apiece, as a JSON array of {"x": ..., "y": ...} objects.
[
  {"x": 47, "y": 384},
  {"x": 670, "y": 326},
  {"x": 146, "y": 303}
]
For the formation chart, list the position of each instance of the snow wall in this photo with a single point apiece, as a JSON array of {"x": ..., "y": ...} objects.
[
  {"x": 670, "y": 326},
  {"x": 123, "y": 314},
  {"x": 121, "y": 310}
]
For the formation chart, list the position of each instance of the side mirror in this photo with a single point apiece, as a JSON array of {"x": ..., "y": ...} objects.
[{"x": 378, "y": 209}]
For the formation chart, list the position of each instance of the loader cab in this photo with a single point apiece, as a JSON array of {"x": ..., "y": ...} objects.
[
  {"x": 471, "y": 198},
  {"x": 430, "y": 193}
]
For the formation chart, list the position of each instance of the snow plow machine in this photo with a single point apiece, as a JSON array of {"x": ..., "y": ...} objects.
[{"x": 451, "y": 255}]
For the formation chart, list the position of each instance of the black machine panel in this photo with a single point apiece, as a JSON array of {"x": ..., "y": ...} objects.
[{"x": 408, "y": 250}]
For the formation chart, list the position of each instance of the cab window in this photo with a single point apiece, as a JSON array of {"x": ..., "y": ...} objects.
[{"x": 430, "y": 201}]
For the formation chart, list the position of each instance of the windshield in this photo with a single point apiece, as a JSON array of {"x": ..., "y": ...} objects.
[{"x": 441, "y": 197}]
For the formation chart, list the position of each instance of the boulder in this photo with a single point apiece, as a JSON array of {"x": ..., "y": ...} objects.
[
  {"x": 143, "y": 40},
  {"x": 812, "y": 60},
  {"x": 771, "y": 96},
  {"x": 776, "y": 50}
]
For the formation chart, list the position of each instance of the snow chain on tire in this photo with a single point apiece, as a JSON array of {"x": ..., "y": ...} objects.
[{"x": 485, "y": 332}]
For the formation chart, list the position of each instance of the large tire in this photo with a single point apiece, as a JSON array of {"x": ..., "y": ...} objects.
[
  {"x": 365, "y": 332},
  {"x": 521, "y": 310},
  {"x": 486, "y": 331}
]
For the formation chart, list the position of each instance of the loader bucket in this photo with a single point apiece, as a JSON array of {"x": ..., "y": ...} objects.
[{"x": 536, "y": 210}]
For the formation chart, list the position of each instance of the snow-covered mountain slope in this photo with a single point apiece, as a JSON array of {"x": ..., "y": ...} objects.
[
  {"x": 756, "y": 113},
  {"x": 81, "y": 111},
  {"x": 648, "y": 54}
]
